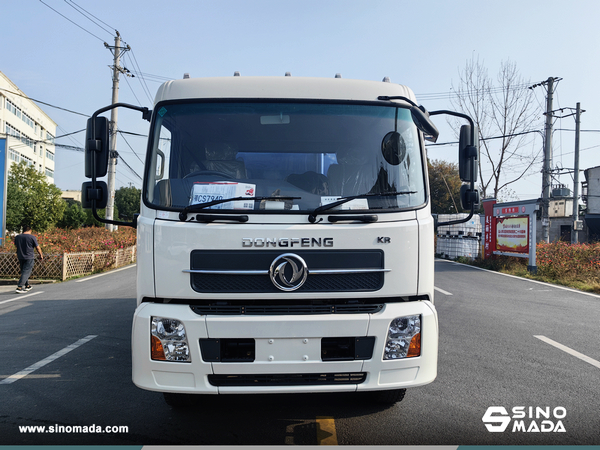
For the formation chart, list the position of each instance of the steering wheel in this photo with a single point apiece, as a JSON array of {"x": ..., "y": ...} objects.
[{"x": 207, "y": 172}]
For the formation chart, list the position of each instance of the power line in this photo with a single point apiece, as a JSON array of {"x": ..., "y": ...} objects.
[
  {"x": 131, "y": 181},
  {"x": 130, "y": 133},
  {"x": 151, "y": 77},
  {"x": 70, "y": 147},
  {"x": 132, "y": 91},
  {"x": 581, "y": 131},
  {"x": 453, "y": 92},
  {"x": 69, "y": 134},
  {"x": 129, "y": 167},
  {"x": 95, "y": 20},
  {"x": 86, "y": 14},
  {"x": 140, "y": 76},
  {"x": 99, "y": 20},
  {"x": 44, "y": 103},
  {"x": 487, "y": 138},
  {"x": 77, "y": 25},
  {"x": 134, "y": 152}
]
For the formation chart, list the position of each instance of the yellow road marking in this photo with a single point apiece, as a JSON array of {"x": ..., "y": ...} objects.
[{"x": 326, "y": 434}]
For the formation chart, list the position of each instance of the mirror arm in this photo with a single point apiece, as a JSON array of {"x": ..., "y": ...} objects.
[
  {"x": 457, "y": 114},
  {"x": 132, "y": 224},
  {"x": 457, "y": 221},
  {"x": 397, "y": 97},
  {"x": 420, "y": 116},
  {"x": 146, "y": 115}
]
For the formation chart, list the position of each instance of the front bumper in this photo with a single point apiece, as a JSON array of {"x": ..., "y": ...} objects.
[{"x": 287, "y": 349}]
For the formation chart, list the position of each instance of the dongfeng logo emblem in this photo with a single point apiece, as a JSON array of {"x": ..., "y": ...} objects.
[{"x": 288, "y": 272}]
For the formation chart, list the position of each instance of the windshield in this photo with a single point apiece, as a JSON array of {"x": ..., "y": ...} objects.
[{"x": 310, "y": 154}]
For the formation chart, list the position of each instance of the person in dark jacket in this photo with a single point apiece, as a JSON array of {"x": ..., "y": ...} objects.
[{"x": 26, "y": 243}]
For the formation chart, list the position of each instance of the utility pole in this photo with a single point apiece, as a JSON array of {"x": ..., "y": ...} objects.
[
  {"x": 546, "y": 180},
  {"x": 576, "y": 223},
  {"x": 117, "y": 51},
  {"x": 547, "y": 170}
]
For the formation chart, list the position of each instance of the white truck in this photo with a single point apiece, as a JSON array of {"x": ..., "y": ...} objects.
[{"x": 285, "y": 241}]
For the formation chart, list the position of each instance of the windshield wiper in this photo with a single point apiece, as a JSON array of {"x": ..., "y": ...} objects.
[
  {"x": 312, "y": 217},
  {"x": 367, "y": 218},
  {"x": 200, "y": 206}
]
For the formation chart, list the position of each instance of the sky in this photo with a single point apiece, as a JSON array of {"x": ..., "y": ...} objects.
[{"x": 56, "y": 55}]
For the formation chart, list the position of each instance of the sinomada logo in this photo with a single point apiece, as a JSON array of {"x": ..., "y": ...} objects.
[{"x": 525, "y": 419}]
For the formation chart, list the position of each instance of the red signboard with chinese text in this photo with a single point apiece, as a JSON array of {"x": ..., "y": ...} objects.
[
  {"x": 490, "y": 228},
  {"x": 512, "y": 234}
]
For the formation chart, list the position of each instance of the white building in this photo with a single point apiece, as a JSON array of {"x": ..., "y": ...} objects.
[
  {"x": 72, "y": 195},
  {"x": 28, "y": 130}
]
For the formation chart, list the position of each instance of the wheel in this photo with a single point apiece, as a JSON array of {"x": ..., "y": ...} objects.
[
  {"x": 207, "y": 172},
  {"x": 178, "y": 400},
  {"x": 388, "y": 397}
]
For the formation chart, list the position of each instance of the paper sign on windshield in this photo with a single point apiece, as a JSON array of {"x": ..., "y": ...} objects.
[
  {"x": 208, "y": 192},
  {"x": 357, "y": 203}
]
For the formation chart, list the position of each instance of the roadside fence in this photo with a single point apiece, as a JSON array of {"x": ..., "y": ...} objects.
[{"x": 68, "y": 265}]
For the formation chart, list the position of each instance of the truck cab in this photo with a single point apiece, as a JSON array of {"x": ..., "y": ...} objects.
[{"x": 285, "y": 239}]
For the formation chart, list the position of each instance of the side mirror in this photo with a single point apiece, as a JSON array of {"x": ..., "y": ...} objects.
[
  {"x": 469, "y": 198},
  {"x": 420, "y": 117},
  {"x": 96, "y": 147},
  {"x": 88, "y": 194},
  {"x": 468, "y": 153}
]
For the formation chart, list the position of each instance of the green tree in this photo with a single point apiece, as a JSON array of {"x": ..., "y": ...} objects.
[
  {"x": 127, "y": 201},
  {"x": 74, "y": 216},
  {"x": 444, "y": 183},
  {"x": 31, "y": 200},
  {"x": 15, "y": 207}
]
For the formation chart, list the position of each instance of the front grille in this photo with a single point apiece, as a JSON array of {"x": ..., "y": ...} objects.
[
  {"x": 295, "y": 379},
  {"x": 210, "y": 283},
  {"x": 260, "y": 260}
]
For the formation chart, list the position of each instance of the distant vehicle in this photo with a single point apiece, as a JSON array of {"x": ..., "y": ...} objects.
[{"x": 285, "y": 240}]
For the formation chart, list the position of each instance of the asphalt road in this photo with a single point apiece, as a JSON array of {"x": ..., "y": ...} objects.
[{"x": 65, "y": 362}]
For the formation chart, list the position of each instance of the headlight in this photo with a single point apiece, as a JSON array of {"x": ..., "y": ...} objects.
[
  {"x": 168, "y": 340},
  {"x": 404, "y": 338}
]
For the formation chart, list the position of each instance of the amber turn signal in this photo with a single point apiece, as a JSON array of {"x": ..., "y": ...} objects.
[
  {"x": 414, "y": 349},
  {"x": 156, "y": 349}
]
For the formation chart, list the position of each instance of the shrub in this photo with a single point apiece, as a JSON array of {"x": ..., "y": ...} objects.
[
  {"x": 575, "y": 265},
  {"x": 59, "y": 241},
  {"x": 563, "y": 261}
]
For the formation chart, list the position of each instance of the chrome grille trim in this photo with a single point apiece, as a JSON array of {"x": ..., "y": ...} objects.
[{"x": 266, "y": 272}]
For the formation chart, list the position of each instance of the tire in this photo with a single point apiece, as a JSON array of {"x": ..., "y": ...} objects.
[
  {"x": 178, "y": 400},
  {"x": 388, "y": 397}
]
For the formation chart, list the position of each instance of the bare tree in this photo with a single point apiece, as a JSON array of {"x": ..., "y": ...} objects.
[{"x": 503, "y": 111}]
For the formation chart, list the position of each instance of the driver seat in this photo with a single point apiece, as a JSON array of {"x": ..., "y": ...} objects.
[
  {"x": 352, "y": 175},
  {"x": 220, "y": 157}
]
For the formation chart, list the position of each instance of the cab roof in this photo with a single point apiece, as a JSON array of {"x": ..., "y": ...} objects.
[{"x": 301, "y": 88}]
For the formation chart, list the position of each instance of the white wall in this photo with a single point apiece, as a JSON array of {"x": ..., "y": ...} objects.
[{"x": 29, "y": 131}]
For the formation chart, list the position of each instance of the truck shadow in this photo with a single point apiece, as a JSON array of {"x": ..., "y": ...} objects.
[
  {"x": 286, "y": 405},
  {"x": 270, "y": 418}
]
